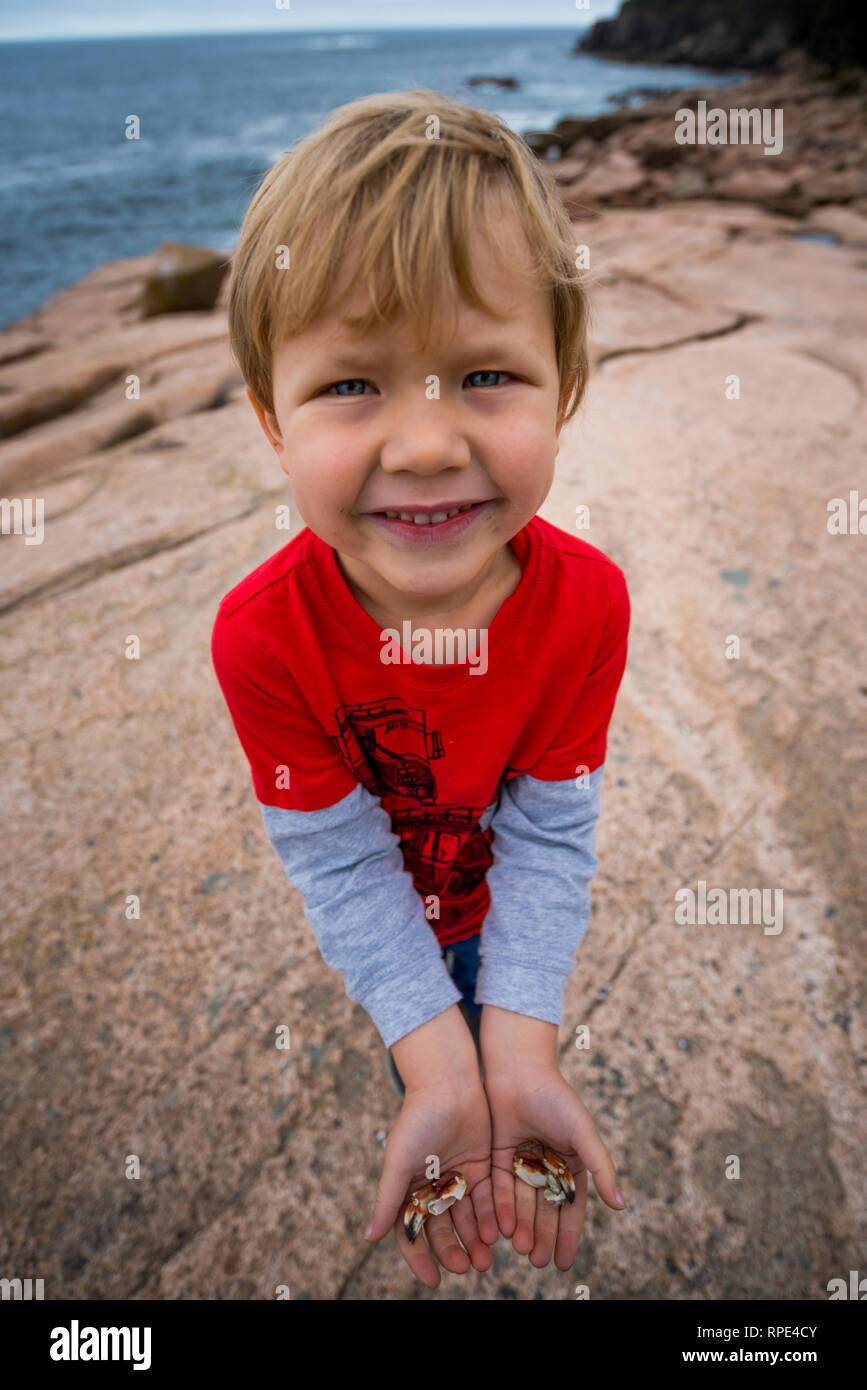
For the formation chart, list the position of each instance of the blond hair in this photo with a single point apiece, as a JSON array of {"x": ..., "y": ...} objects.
[{"x": 405, "y": 176}]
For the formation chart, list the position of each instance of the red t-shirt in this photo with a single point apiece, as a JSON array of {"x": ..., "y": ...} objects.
[{"x": 317, "y": 711}]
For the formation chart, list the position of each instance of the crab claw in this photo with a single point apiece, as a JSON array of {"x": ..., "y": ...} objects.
[
  {"x": 558, "y": 1169},
  {"x": 432, "y": 1200},
  {"x": 413, "y": 1220},
  {"x": 549, "y": 1172},
  {"x": 530, "y": 1170},
  {"x": 448, "y": 1191}
]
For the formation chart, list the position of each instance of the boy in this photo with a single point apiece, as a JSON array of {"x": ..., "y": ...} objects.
[{"x": 412, "y": 252}]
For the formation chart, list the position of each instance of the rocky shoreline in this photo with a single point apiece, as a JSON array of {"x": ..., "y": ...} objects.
[{"x": 630, "y": 157}]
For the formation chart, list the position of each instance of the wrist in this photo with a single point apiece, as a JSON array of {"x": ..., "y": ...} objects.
[
  {"x": 512, "y": 1042},
  {"x": 440, "y": 1052}
]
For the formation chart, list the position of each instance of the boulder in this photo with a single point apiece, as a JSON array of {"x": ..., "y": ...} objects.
[
  {"x": 613, "y": 177},
  {"x": 753, "y": 184},
  {"x": 183, "y": 278},
  {"x": 508, "y": 84}
]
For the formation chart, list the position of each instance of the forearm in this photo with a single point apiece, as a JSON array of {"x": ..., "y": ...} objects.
[
  {"x": 441, "y": 1051},
  {"x": 514, "y": 1043},
  {"x": 544, "y": 858},
  {"x": 366, "y": 915}
]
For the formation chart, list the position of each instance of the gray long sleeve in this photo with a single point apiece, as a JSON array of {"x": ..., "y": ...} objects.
[
  {"x": 367, "y": 917},
  {"x": 369, "y": 921},
  {"x": 544, "y": 859}
]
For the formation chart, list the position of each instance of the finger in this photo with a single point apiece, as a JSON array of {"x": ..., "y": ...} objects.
[
  {"x": 486, "y": 1216},
  {"x": 391, "y": 1198},
  {"x": 443, "y": 1241},
  {"x": 587, "y": 1143},
  {"x": 465, "y": 1216},
  {"x": 524, "y": 1238},
  {"x": 548, "y": 1216},
  {"x": 503, "y": 1187},
  {"x": 417, "y": 1255},
  {"x": 571, "y": 1224}
]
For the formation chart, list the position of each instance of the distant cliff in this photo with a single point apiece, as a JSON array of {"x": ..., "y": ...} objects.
[{"x": 733, "y": 33}]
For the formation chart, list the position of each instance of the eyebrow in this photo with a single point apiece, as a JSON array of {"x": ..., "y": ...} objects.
[{"x": 352, "y": 357}]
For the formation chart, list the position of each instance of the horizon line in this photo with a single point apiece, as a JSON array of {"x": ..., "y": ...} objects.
[{"x": 284, "y": 32}]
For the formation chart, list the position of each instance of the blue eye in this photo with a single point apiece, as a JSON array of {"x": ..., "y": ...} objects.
[
  {"x": 488, "y": 372},
  {"x": 348, "y": 381}
]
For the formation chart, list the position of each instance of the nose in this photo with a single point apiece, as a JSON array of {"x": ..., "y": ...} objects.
[{"x": 424, "y": 438}]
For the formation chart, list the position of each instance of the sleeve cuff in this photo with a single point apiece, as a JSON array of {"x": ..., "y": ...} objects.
[
  {"x": 522, "y": 987},
  {"x": 400, "y": 1003}
]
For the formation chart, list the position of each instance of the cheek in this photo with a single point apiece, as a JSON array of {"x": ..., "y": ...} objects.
[
  {"x": 323, "y": 468},
  {"x": 523, "y": 454}
]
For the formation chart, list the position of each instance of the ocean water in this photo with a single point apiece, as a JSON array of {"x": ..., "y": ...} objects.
[{"x": 215, "y": 112}]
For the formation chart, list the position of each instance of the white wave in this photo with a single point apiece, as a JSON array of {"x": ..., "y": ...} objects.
[
  {"x": 319, "y": 43},
  {"x": 271, "y": 125}
]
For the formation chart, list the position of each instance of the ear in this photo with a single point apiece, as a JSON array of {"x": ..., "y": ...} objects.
[{"x": 268, "y": 422}]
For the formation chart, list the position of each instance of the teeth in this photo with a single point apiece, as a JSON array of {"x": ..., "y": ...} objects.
[{"x": 430, "y": 518}]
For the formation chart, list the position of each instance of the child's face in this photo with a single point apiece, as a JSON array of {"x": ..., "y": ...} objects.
[{"x": 361, "y": 428}]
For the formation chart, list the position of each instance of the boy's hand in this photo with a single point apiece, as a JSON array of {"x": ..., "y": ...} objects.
[
  {"x": 445, "y": 1113},
  {"x": 530, "y": 1099}
]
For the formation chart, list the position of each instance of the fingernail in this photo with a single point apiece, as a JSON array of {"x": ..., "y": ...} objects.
[
  {"x": 369, "y": 1232},
  {"x": 621, "y": 1199}
]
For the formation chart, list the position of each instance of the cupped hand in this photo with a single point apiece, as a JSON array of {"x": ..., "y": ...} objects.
[
  {"x": 454, "y": 1124},
  {"x": 540, "y": 1104}
]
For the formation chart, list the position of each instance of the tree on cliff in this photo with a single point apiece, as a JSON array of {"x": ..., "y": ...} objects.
[{"x": 733, "y": 33}]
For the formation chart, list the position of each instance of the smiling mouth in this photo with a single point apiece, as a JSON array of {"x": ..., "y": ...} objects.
[{"x": 429, "y": 518}]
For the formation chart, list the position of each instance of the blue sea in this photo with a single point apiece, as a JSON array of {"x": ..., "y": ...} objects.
[{"x": 215, "y": 112}]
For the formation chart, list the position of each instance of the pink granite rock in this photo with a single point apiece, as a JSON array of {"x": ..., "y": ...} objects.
[{"x": 153, "y": 1036}]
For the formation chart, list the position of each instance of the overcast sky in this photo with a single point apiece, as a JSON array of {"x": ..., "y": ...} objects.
[{"x": 25, "y": 19}]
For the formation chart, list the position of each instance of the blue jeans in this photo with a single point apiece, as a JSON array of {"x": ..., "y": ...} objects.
[{"x": 464, "y": 969}]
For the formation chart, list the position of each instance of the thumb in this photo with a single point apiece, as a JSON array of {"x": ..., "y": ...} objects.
[
  {"x": 390, "y": 1199},
  {"x": 597, "y": 1160}
]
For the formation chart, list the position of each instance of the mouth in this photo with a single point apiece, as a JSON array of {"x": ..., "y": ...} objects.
[
  {"x": 439, "y": 522},
  {"x": 427, "y": 516}
]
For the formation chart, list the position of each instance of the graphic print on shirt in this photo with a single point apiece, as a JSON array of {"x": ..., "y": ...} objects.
[
  {"x": 389, "y": 749},
  {"x": 445, "y": 850}
]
